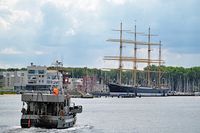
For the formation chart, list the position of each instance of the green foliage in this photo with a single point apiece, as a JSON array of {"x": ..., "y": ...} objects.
[
  {"x": 2, "y": 93},
  {"x": 13, "y": 69},
  {"x": 178, "y": 78},
  {"x": 1, "y": 69}
]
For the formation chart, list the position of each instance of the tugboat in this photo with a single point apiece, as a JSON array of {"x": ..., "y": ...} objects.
[{"x": 44, "y": 103}]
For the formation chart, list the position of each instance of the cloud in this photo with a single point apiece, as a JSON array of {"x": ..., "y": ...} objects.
[
  {"x": 10, "y": 51},
  {"x": 3, "y": 24},
  {"x": 181, "y": 59},
  {"x": 8, "y": 65},
  {"x": 12, "y": 17},
  {"x": 77, "y": 30},
  {"x": 38, "y": 52},
  {"x": 117, "y": 2}
]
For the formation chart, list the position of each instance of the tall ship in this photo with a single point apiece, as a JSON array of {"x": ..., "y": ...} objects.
[
  {"x": 149, "y": 87},
  {"x": 45, "y": 103}
]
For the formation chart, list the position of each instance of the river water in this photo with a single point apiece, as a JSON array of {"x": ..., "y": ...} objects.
[{"x": 116, "y": 115}]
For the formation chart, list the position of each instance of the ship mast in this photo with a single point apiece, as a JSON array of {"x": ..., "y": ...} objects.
[
  {"x": 134, "y": 59},
  {"x": 120, "y": 56},
  {"x": 149, "y": 57},
  {"x": 159, "y": 65},
  {"x": 135, "y": 65},
  {"x": 119, "y": 79},
  {"x": 134, "y": 71}
]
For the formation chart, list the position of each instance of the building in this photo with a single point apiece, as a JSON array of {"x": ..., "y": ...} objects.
[
  {"x": 74, "y": 83},
  {"x": 35, "y": 78},
  {"x": 13, "y": 80},
  {"x": 1, "y": 80},
  {"x": 20, "y": 80},
  {"x": 7, "y": 79},
  {"x": 39, "y": 78}
]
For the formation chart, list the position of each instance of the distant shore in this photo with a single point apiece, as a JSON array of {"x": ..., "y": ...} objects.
[{"x": 8, "y": 93}]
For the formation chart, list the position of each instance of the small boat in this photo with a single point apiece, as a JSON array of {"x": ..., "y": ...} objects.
[
  {"x": 48, "y": 111},
  {"x": 87, "y": 95},
  {"x": 45, "y": 104}
]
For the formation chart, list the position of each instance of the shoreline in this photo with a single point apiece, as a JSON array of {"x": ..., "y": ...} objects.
[{"x": 8, "y": 93}]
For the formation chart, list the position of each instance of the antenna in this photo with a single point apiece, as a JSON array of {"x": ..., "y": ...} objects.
[{"x": 57, "y": 64}]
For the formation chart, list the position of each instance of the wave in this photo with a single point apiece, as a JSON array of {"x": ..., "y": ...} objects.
[{"x": 17, "y": 129}]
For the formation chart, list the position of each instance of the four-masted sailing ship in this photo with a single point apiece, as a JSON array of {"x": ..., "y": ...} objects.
[{"x": 136, "y": 89}]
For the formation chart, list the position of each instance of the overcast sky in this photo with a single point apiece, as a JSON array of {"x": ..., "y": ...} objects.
[{"x": 75, "y": 31}]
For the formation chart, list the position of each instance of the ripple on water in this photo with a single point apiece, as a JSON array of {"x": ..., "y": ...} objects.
[{"x": 75, "y": 129}]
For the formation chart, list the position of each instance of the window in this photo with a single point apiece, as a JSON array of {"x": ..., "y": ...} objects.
[
  {"x": 41, "y": 71},
  {"x": 31, "y": 71},
  {"x": 33, "y": 77}
]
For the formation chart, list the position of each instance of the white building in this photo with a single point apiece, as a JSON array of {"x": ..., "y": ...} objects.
[
  {"x": 35, "y": 78},
  {"x": 74, "y": 83},
  {"x": 39, "y": 78},
  {"x": 20, "y": 80},
  {"x": 11, "y": 79}
]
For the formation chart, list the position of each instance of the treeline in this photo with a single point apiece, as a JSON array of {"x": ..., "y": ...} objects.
[
  {"x": 177, "y": 78},
  {"x": 180, "y": 79},
  {"x": 12, "y": 69}
]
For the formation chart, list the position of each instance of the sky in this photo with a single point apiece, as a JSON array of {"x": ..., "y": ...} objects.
[{"x": 75, "y": 31}]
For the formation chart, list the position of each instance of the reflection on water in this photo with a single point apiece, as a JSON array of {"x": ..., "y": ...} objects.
[{"x": 113, "y": 115}]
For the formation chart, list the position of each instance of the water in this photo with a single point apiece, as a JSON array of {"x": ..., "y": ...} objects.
[{"x": 117, "y": 115}]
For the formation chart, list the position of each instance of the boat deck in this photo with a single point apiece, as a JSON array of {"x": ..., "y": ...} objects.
[{"x": 39, "y": 97}]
